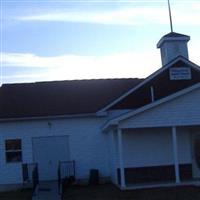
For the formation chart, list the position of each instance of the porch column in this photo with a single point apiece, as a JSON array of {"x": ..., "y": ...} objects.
[
  {"x": 175, "y": 154},
  {"x": 113, "y": 154},
  {"x": 121, "y": 161}
]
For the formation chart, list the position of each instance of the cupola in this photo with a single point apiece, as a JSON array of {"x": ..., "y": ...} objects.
[{"x": 172, "y": 45}]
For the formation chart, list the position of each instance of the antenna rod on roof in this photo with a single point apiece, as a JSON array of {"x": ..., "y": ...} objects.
[{"x": 170, "y": 16}]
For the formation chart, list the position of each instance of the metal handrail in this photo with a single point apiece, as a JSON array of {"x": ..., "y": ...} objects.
[
  {"x": 67, "y": 168},
  {"x": 66, "y": 171},
  {"x": 59, "y": 179},
  {"x": 27, "y": 169},
  {"x": 35, "y": 178},
  {"x": 30, "y": 174}
]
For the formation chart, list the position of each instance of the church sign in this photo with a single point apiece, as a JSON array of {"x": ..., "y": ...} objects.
[{"x": 180, "y": 73}]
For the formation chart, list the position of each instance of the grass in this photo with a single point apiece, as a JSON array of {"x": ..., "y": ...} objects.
[
  {"x": 24, "y": 194},
  {"x": 110, "y": 192}
]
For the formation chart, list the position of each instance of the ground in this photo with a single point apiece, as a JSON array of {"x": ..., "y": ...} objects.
[
  {"x": 110, "y": 192},
  {"x": 16, "y": 195}
]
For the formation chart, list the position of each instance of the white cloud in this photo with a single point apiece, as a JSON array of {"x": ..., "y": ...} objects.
[
  {"x": 26, "y": 77},
  {"x": 137, "y": 15},
  {"x": 121, "y": 17},
  {"x": 70, "y": 67}
]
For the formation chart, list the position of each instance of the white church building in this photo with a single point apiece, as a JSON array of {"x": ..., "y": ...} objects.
[{"x": 135, "y": 132}]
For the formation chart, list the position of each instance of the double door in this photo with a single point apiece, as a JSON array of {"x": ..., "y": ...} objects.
[{"x": 47, "y": 152}]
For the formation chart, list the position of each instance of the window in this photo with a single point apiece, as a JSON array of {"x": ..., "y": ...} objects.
[{"x": 13, "y": 150}]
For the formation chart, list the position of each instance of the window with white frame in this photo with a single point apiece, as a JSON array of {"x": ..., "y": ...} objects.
[{"x": 13, "y": 149}]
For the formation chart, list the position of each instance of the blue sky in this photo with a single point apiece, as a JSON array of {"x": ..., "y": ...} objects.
[{"x": 57, "y": 40}]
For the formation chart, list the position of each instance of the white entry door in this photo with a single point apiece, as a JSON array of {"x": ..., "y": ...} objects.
[
  {"x": 47, "y": 152},
  {"x": 196, "y": 156}
]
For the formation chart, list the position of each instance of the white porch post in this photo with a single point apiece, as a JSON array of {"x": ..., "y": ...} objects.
[
  {"x": 114, "y": 153},
  {"x": 175, "y": 154},
  {"x": 121, "y": 161}
]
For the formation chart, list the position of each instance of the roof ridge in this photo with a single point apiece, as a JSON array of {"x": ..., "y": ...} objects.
[{"x": 62, "y": 81}]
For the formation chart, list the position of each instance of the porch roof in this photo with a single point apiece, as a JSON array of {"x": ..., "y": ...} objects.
[{"x": 175, "y": 109}]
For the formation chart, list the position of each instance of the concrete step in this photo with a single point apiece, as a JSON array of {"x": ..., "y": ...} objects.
[{"x": 47, "y": 190}]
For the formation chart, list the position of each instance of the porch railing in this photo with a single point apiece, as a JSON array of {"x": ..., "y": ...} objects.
[
  {"x": 30, "y": 175},
  {"x": 66, "y": 175}
]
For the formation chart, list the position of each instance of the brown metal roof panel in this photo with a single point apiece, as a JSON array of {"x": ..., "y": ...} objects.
[{"x": 60, "y": 97}]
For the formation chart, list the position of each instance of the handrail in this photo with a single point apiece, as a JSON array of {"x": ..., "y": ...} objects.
[
  {"x": 67, "y": 168},
  {"x": 35, "y": 178},
  {"x": 59, "y": 179},
  {"x": 66, "y": 173},
  {"x": 30, "y": 174}
]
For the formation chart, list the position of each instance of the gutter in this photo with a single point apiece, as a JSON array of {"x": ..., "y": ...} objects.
[{"x": 53, "y": 117}]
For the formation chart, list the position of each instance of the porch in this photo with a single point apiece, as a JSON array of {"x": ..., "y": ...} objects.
[{"x": 155, "y": 157}]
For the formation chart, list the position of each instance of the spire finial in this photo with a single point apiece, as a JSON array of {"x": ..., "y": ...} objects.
[{"x": 170, "y": 16}]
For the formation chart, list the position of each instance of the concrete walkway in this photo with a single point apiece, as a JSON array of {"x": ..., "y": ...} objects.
[{"x": 47, "y": 191}]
